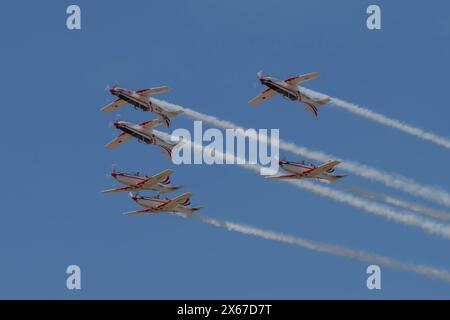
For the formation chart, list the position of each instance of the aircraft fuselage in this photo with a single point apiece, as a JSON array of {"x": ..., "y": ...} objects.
[
  {"x": 138, "y": 101},
  {"x": 285, "y": 89},
  {"x": 141, "y": 134},
  {"x": 133, "y": 180},
  {"x": 300, "y": 168}
]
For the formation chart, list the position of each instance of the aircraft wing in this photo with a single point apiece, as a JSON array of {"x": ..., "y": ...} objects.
[
  {"x": 286, "y": 176},
  {"x": 123, "y": 137},
  {"x": 119, "y": 189},
  {"x": 269, "y": 93},
  {"x": 113, "y": 105},
  {"x": 302, "y": 78},
  {"x": 162, "y": 177},
  {"x": 151, "y": 123},
  {"x": 145, "y": 211},
  {"x": 150, "y": 91},
  {"x": 172, "y": 204},
  {"x": 321, "y": 169}
]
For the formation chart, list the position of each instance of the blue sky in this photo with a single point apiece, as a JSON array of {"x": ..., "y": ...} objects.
[{"x": 55, "y": 164}]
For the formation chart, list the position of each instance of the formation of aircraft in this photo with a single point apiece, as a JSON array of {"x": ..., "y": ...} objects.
[
  {"x": 134, "y": 182},
  {"x": 307, "y": 170},
  {"x": 160, "y": 182},
  {"x": 140, "y": 99},
  {"x": 289, "y": 89},
  {"x": 180, "y": 204},
  {"x": 143, "y": 133}
]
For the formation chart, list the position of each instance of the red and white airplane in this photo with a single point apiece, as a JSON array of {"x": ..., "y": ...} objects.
[
  {"x": 159, "y": 182},
  {"x": 143, "y": 133},
  {"x": 179, "y": 204},
  {"x": 304, "y": 170},
  {"x": 140, "y": 99},
  {"x": 289, "y": 89}
]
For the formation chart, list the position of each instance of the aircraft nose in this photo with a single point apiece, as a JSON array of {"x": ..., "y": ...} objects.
[
  {"x": 114, "y": 174},
  {"x": 116, "y": 124},
  {"x": 281, "y": 162},
  {"x": 134, "y": 198}
]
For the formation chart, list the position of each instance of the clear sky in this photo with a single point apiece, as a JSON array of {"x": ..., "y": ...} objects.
[{"x": 54, "y": 162}]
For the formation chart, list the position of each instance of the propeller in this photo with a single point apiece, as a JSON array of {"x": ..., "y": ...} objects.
[
  {"x": 133, "y": 195},
  {"x": 115, "y": 85},
  {"x": 111, "y": 124},
  {"x": 257, "y": 83},
  {"x": 109, "y": 175}
]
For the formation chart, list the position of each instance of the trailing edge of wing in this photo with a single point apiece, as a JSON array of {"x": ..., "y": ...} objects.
[
  {"x": 302, "y": 78},
  {"x": 285, "y": 176},
  {"x": 119, "y": 140},
  {"x": 145, "y": 211},
  {"x": 123, "y": 189},
  {"x": 269, "y": 93},
  {"x": 323, "y": 168},
  {"x": 113, "y": 105},
  {"x": 150, "y": 91}
]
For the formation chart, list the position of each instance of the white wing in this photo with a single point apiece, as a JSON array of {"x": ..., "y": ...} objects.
[
  {"x": 172, "y": 204},
  {"x": 302, "y": 78},
  {"x": 151, "y": 123},
  {"x": 321, "y": 169},
  {"x": 150, "y": 91},
  {"x": 119, "y": 140},
  {"x": 269, "y": 93},
  {"x": 155, "y": 179},
  {"x": 113, "y": 105}
]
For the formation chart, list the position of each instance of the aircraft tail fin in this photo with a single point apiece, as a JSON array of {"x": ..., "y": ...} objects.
[
  {"x": 322, "y": 102},
  {"x": 313, "y": 106},
  {"x": 189, "y": 210},
  {"x": 171, "y": 188},
  {"x": 165, "y": 117},
  {"x": 193, "y": 209},
  {"x": 168, "y": 147},
  {"x": 336, "y": 177}
]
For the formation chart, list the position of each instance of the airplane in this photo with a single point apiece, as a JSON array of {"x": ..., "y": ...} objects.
[
  {"x": 143, "y": 133},
  {"x": 159, "y": 182},
  {"x": 304, "y": 169},
  {"x": 289, "y": 89},
  {"x": 140, "y": 99},
  {"x": 179, "y": 204}
]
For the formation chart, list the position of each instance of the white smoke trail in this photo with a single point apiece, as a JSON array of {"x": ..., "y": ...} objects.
[
  {"x": 399, "y": 202},
  {"x": 371, "y": 258},
  {"x": 402, "y": 183},
  {"x": 340, "y": 196},
  {"x": 371, "y": 115}
]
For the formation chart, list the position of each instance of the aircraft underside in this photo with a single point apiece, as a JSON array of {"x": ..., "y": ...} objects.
[
  {"x": 283, "y": 92},
  {"x": 134, "y": 103},
  {"x": 141, "y": 138}
]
